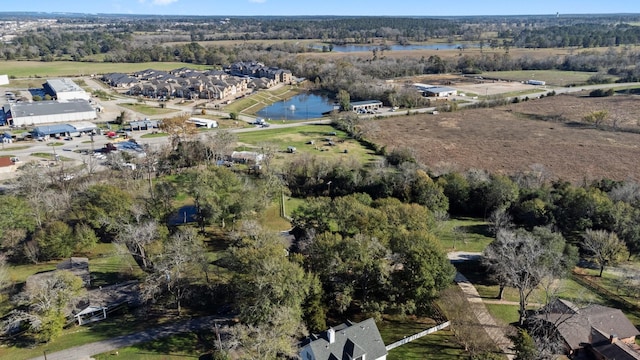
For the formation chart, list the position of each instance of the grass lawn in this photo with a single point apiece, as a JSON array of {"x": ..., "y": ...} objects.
[
  {"x": 152, "y": 135},
  {"x": 24, "y": 69},
  {"x": 49, "y": 156},
  {"x": 256, "y": 101},
  {"x": 271, "y": 220},
  {"x": 182, "y": 346},
  {"x": 436, "y": 346},
  {"x": 472, "y": 234},
  {"x": 147, "y": 109},
  {"x": 503, "y": 314},
  {"x": 12, "y": 148},
  {"x": 107, "y": 266},
  {"x": 79, "y": 335},
  {"x": 300, "y": 138},
  {"x": 551, "y": 77}
]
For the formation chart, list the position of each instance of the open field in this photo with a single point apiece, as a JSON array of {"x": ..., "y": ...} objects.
[
  {"x": 551, "y": 77},
  {"x": 36, "y": 69},
  {"x": 300, "y": 136},
  {"x": 511, "y": 138},
  {"x": 147, "y": 109}
]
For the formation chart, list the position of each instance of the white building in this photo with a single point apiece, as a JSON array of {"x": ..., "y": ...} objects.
[
  {"x": 65, "y": 89},
  {"x": 209, "y": 124},
  {"x": 46, "y": 112}
]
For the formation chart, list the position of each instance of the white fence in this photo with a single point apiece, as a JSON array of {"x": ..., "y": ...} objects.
[{"x": 418, "y": 335}]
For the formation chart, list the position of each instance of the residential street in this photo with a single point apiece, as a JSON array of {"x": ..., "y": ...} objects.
[{"x": 84, "y": 352}]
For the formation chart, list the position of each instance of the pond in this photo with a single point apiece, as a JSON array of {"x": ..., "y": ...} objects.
[
  {"x": 300, "y": 107},
  {"x": 356, "y": 48}
]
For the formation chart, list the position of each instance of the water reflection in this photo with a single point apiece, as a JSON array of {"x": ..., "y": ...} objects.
[{"x": 300, "y": 107}]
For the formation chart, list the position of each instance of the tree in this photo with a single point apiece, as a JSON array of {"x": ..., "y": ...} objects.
[
  {"x": 524, "y": 346},
  {"x": 604, "y": 247},
  {"x": 596, "y": 118},
  {"x": 344, "y": 99},
  {"x": 136, "y": 237},
  {"x": 178, "y": 129},
  {"x": 266, "y": 282},
  {"x": 425, "y": 269},
  {"x": 522, "y": 259},
  {"x": 48, "y": 297},
  {"x": 55, "y": 240},
  {"x": 175, "y": 269}
]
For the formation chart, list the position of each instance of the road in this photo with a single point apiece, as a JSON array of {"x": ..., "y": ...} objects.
[{"x": 85, "y": 352}]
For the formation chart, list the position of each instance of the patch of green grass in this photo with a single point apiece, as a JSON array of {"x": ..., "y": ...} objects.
[
  {"x": 49, "y": 156},
  {"x": 154, "y": 135},
  {"x": 15, "y": 148},
  {"x": 503, "y": 314},
  {"x": 464, "y": 234},
  {"x": 120, "y": 324},
  {"x": 148, "y": 109},
  {"x": 181, "y": 346},
  {"x": 270, "y": 218},
  {"x": 108, "y": 267},
  {"x": 57, "y": 143},
  {"x": 437, "y": 346},
  {"x": 291, "y": 204},
  {"x": 300, "y": 138},
  {"x": 38, "y": 69}
]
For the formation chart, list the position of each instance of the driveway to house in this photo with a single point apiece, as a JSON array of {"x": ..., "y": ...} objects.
[
  {"x": 495, "y": 332},
  {"x": 84, "y": 352}
]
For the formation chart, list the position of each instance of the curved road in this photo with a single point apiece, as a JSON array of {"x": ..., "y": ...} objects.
[{"x": 85, "y": 352}]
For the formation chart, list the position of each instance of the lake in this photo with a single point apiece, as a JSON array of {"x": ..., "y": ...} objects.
[
  {"x": 357, "y": 48},
  {"x": 299, "y": 107}
]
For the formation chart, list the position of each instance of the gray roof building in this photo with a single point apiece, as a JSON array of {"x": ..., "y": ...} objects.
[
  {"x": 577, "y": 326},
  {"x": 352, "y": 341},
  {"x": 42, "y": 112}
]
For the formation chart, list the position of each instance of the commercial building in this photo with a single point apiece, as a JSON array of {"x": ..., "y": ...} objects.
[
  {"x": 366, "y": 106},
  {"x": 47, "y": 112},
  {"x": 65, "y": 89}
]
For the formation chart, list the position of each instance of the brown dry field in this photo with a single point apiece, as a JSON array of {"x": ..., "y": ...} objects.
[{"x": 510, "y": 139}]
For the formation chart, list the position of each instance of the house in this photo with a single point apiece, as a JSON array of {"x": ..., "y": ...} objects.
[
  {"x": 353, "y": 341},
  {"x": 78, "y": 266},
  {"x": 99, "y": 303},
  {"x": 584, "y": 329},
  {"x": 119, "y": 80}
]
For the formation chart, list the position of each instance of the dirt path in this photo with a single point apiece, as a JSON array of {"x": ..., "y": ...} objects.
[{"x": 476, "y": 303}]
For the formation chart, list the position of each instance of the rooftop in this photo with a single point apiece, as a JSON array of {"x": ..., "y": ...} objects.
[
  {"x": 40, "y": 108},
  {"x": 63, "y": 85}
]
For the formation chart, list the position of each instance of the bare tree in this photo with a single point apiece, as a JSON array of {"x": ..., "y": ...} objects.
[
  {"x": 604, "y": 246},
  {"x": 500, "y": 220},
  {"x": 175, "y": 268},
  {"x": 520, "y": 260},
  {"x": 136, "y": 237},
  {"x": 219, "y": 144}
]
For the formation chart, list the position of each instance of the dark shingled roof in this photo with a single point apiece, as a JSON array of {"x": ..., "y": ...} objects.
[
  {"x": 574, "y": 325},
  {"x": 609, "y": 348},
  {"x": 352, "y": 340}
]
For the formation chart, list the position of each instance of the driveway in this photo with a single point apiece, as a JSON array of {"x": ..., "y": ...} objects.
[{"x": 476, "y": 304}]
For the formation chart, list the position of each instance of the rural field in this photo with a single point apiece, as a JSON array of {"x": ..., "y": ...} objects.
[{"x": 511, "y": 138}]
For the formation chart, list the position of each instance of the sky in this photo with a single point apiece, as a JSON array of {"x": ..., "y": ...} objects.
[{"x": 326, "y": 7}]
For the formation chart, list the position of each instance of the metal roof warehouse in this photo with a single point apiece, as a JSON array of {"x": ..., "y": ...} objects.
[{"x": 42, "y": 112}]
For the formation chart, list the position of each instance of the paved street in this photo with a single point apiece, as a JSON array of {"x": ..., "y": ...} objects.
[{"x": 85, "y": 352}]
